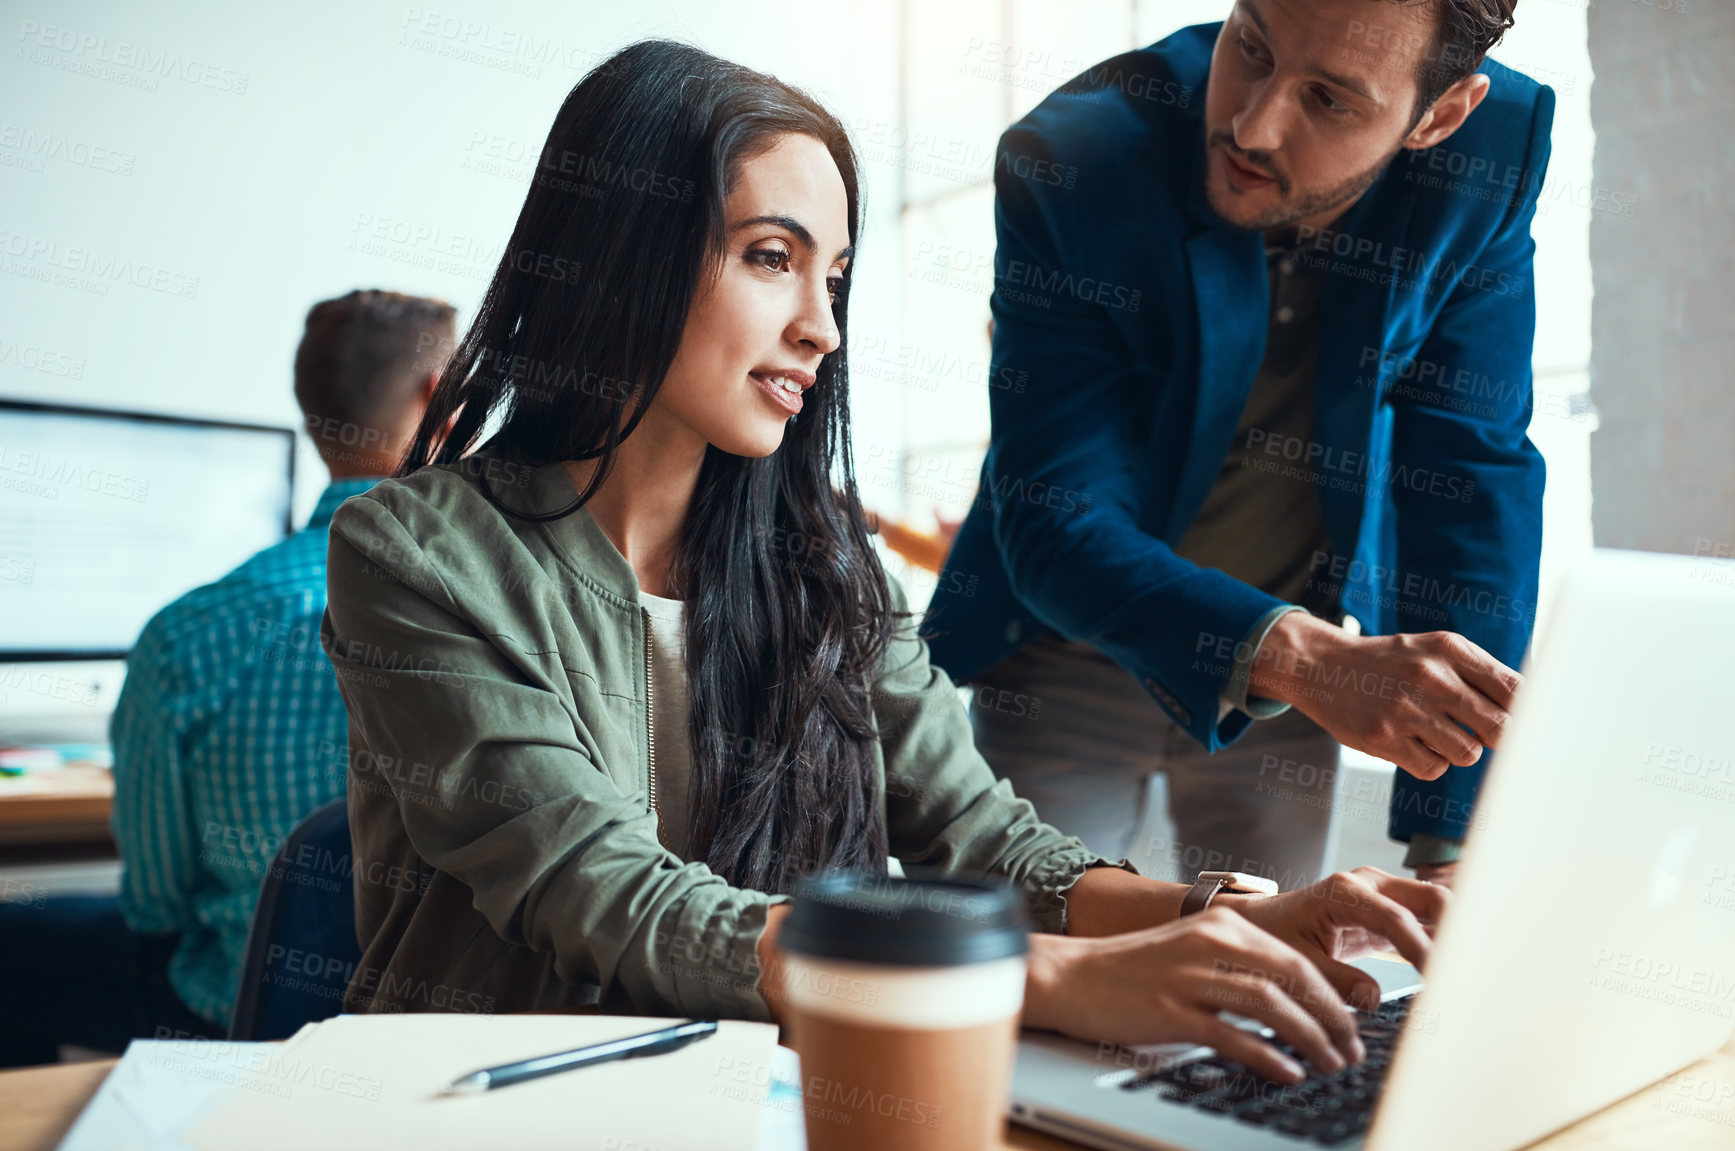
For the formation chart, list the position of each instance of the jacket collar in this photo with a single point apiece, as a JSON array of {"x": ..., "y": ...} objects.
[{"x": 576, "y": 536}]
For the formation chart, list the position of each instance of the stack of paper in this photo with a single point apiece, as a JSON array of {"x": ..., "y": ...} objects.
[{"x": 373, "y": 1081}]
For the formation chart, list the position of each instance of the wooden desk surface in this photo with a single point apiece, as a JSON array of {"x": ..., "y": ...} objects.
[
  {"x": 70, "y": 805},
  {"x": 38, "y": 1106}
]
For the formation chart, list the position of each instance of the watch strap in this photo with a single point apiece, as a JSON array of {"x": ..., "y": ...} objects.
[{"x": 1200, "y": 895}]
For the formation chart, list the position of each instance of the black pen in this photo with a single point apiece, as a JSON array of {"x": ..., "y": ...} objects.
[{"x": 632, "y": 1047}]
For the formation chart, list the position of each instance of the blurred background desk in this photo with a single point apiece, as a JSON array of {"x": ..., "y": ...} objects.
[
  {"x": 65, "y": 807},
  {"x": 54, "y": 837}
]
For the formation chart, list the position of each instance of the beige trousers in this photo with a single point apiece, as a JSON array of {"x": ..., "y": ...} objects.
[{"x": 1079, "y": 737}]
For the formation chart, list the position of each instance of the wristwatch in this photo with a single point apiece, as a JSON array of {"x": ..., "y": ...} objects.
[{"x": 1209, "y": 883}]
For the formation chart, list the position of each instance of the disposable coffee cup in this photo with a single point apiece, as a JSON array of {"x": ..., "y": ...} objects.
[{"x": 903, "y": 997}]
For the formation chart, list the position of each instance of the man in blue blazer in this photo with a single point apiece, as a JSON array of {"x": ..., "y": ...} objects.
[{"x": 1261, "y": 369}]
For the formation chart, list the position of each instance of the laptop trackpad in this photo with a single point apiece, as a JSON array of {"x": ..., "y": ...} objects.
[{"x": 1397, "y": 979}]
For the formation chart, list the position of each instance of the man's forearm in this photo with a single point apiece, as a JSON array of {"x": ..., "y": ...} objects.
[{"x": 1290, "y": 650}]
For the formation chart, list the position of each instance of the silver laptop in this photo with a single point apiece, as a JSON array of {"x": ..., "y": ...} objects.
[{"x": 1590, "y": 948}]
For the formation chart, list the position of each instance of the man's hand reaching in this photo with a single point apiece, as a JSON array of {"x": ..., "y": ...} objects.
[{"x": 1406, "y": 698}]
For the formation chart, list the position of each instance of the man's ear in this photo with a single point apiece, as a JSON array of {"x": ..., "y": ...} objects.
[
  {"x": 1448, "y": 113},
  {"x": 429, "y": 386}
]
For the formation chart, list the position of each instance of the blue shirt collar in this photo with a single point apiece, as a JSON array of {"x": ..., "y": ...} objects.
[{"x": 334, "y": 494}]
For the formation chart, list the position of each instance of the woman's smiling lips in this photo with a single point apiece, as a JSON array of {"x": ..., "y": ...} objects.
[{"x": 783, "y": 385}]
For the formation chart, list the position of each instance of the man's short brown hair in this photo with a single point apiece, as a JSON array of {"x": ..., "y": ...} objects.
[
  {"x": 364, "y": 356},
  {"x": 1467, "y": 30}
]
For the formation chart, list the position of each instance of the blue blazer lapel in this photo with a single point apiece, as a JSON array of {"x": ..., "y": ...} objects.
[
  {"x": 1230, "y": 297},
  {"x": 1355, "y": 328}
]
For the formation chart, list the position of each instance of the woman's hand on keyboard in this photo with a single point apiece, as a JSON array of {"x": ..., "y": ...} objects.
[
  {"x": 1166, "y": 984},
  {"x": 1350, "y": 914}
]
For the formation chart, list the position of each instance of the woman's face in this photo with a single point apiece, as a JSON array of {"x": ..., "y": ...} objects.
[{"x": 756, "y": 333}]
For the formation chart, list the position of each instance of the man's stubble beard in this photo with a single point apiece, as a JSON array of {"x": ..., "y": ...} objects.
[{"x": 1295, "y": 208}]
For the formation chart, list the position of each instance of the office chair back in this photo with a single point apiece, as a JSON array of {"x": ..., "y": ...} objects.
[{"x": 302, "y": 948}]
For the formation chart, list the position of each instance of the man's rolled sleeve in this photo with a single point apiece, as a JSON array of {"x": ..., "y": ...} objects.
[
  {"x": 1432, "y": 849},
  {"x": 1246, "y": 655}
]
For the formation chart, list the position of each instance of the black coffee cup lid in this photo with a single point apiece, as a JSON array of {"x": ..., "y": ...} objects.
[{"x": 926, "y": 919}]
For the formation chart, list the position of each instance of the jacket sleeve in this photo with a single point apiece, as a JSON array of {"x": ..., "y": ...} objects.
[
  {"x": 502, "y": 795},
  {"x": 1467, "y": 483},
  {"x": 1063, "y": 474},
  {"x": 944, "y": 808}
]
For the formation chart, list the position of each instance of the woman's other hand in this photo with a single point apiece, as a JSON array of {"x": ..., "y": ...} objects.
[
  {"x": 1166, "y": 984},
  {"x": 1347, "y": 915}
]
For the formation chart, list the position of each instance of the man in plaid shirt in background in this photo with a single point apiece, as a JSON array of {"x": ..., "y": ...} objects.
[{"x": 228, "y": 732}]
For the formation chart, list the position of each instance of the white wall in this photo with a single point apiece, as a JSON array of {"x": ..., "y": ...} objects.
[
  {"x": 245, "y": 161},
  {"x": 1665, "y": 349},
  {"x": 179, "y": 182}
]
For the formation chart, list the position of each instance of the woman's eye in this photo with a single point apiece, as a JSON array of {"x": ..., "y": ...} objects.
[
  {"x": 774, "y": 258},
  {"x": 833, "y": 285}
]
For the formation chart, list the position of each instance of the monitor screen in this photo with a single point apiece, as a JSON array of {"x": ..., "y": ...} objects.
[{"x": 106, "y": 517}]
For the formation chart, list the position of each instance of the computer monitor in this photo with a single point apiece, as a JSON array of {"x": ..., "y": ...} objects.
[{"x": 107, "y": 516}]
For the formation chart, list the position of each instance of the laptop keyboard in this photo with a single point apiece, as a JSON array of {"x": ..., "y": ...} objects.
[{"x": 1328, "y": 1110}]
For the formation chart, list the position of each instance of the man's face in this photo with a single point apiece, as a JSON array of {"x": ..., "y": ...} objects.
[{"x": 1307, "y": 102}]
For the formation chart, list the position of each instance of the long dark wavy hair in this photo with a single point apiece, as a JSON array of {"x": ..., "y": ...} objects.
[{"x": 788, "y": 611}]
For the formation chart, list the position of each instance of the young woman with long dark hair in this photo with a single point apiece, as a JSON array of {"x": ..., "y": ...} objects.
[{"x": 620, "y": 661}]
